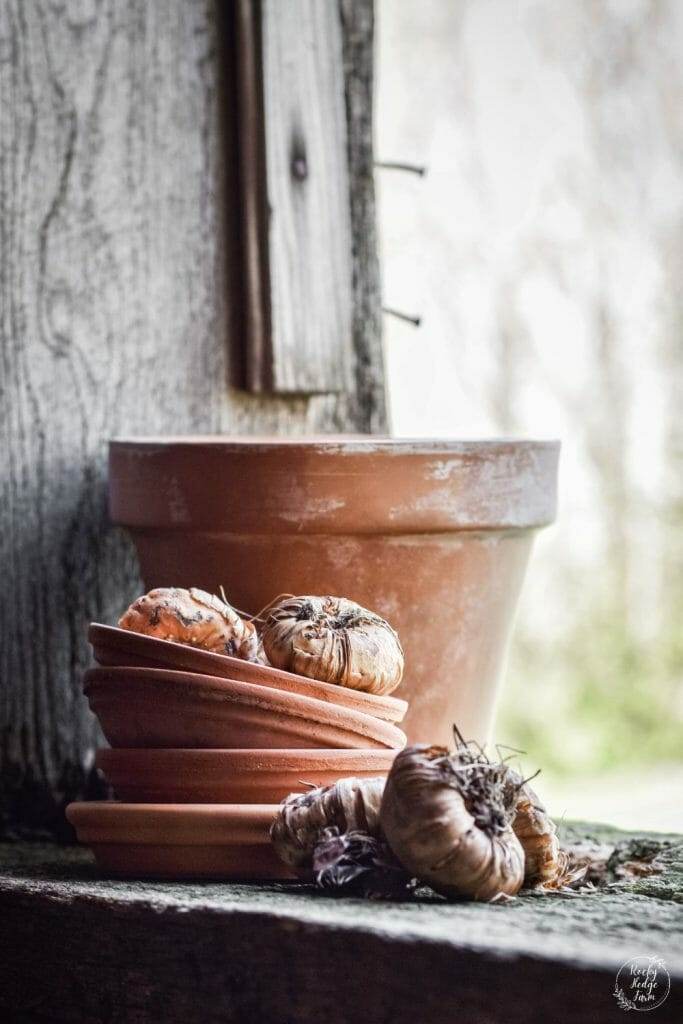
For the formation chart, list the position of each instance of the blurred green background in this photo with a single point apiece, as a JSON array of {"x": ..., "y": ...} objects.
[
  {"x": 600, "y": 711},
  {"x": 543, "y": 251}
]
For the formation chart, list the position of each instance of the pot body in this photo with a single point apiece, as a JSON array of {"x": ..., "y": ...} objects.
[
  {"x": 434, "y": 536},
  {"x": 232, "y": 776}
]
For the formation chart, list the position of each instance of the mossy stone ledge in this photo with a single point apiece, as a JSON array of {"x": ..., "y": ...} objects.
[{"x": 77, "y": 947}]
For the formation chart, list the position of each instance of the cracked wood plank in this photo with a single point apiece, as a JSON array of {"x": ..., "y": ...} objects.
[
  {"x": 120, "y": 306},
  {"x": 76, "y": 947}
]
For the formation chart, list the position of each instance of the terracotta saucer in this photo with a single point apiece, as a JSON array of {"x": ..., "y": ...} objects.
[
  {"x": 114, "y": 646},
  {"x": 232, "y": 776},
  {"x": 179, "y": 841},
  {"x": 153, "y": 707}
]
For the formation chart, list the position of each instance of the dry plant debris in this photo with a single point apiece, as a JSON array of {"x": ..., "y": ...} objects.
[{"x": 605, "y": 863}]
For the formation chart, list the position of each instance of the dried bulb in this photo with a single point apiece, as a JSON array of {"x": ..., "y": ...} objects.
[
  {"x": 545, "y": 864},
  {"x": 195, "y": 618},
  {"x": 336, "y": 641},
  {"x": 447, "y": 819},
  {"x": 349, "y": 805}
]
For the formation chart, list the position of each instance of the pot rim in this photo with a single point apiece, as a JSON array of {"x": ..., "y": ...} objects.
[
  {"x": 338, "y": 486},
  {"x": 191, "y": 824},
  {"x": 190, "y": 689},
  {"x": 270, "y": 759},
  {"x": 340, "y": 444}
]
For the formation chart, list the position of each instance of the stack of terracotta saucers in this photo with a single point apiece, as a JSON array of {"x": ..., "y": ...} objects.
[{"x": 203, "y": 748}]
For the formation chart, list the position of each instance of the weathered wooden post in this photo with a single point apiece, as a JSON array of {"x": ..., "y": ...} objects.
[{"x": 186, "y": 187}]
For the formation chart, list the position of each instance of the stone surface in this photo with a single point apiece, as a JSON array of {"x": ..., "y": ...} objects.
[{"x": 77, "y": 947}]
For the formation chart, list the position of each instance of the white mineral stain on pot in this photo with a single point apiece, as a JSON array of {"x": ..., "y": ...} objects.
[
  {"x": 491, "y": 540},
  {"x": 452, "y": 539},
  {"x": 450, "y": 503},
  {"x": 343, "y": 553},
  {"x": 391, "y": 607},
  {"x": 443, "y": 498},
  {"x": 443, "y": 469},
  {"x": 509, "y": 489},
  {"x": 310, "y": 510},
  {"x": 477, "y": 449}
]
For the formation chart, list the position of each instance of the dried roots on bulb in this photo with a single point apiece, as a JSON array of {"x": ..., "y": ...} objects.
[
  {"x": 445, "y": 818},
  {"x": 336, "y": 641},
  {"x": 195, "y": 618},
  {"x": 350, "y": 805},
  {"x": 471, "y": 827},
  {"x": 361, "y": 864},
  {"x": 468, "y": 827}
]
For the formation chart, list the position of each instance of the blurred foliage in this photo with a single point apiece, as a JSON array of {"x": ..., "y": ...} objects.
[{"x": 597, "y": 699}]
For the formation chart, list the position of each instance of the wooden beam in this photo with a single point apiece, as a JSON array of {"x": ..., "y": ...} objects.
[
  {"x": 368, "y": 397},
  {"x": 296, "y": 197},
  {"x": 120, "y": 293}
]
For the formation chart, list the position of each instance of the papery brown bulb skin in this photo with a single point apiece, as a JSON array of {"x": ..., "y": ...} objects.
[
  {"x": 544, "y": 862},
  {"x": 426, "y": 821},
  {"x": 195, "y": 618},
  {"x": 349, "y": 805},
  {"x": 336, "y": 641}
]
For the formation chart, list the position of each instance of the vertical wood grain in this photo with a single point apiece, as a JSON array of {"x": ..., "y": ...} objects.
[
  {"x": 366, "y": 401},
  {"x": 297, "y": 196},
  {"x": 120, "y": 295}
]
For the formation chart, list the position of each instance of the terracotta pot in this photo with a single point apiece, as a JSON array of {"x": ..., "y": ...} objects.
[
  {"x": 434, "y": 535},
  {"x": 232, "y": 776},
  {"x": 154, "y": 707},
  {"x": 113, "y": 646},
  {"x": 184, "y": 841}
]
